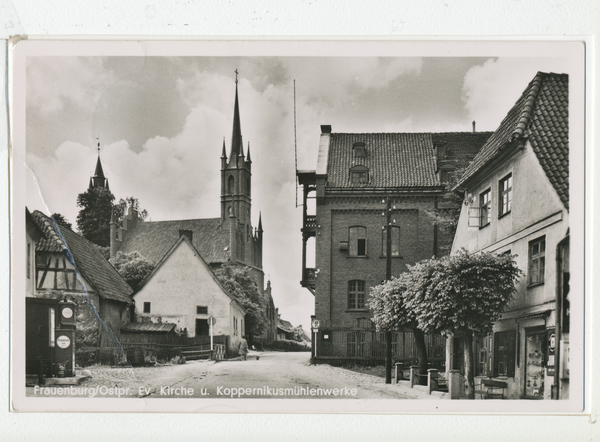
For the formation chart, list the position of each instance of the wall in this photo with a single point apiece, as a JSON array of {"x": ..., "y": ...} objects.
[
  {"x": 335, "y": 215},
  {"x": 180, "y": 284}
]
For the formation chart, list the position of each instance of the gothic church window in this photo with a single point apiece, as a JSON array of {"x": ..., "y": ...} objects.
[{"x": 231, "y": 185}]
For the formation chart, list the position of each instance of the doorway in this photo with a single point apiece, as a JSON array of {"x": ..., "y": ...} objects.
[
  {"x": 202, "y": 327},
  {"x": 535, "y": 356}
]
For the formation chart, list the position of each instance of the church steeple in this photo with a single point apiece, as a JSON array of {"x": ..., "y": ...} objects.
[
  {"x": 98, "y": 180},
  {"x": 237, "y": 147}
]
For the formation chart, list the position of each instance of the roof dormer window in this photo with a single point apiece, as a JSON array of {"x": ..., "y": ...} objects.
[
  {"x": 359, "y": 175},
  {"x": 359, "y": 150}
]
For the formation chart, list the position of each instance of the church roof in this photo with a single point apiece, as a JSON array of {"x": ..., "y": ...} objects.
[
  {"x": 395, "y": 159},
  {"x": 540, "y": 115},
  {"x": 85, "y": 257},
  {"x": 237, "y": 148},
  {"x": 153, "y": 239}
]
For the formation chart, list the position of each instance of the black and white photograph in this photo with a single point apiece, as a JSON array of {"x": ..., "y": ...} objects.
[{"x": 352, "y": 226}]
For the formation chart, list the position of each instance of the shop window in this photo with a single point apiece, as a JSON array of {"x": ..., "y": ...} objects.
[
  {"x": 356, "y": 295},
  {"x": 357, "y": 239},
  {"x": 359, "y": 175},
  {"x": 504, "y": 353},
  {"x": 537, "y": 260},
  {"x": 505, "y": 192},
  {"x": 485, "y": 206},
  {"x": 395, "y": 234},
  {"x": 147, "y": 306},
  {"x": 201, "y": 310}
]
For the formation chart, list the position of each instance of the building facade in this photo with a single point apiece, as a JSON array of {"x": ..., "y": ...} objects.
[
  {"x": 359, "y": 179},
  {"x": 516, "y": 200},
  {"x": 183, "y": 290}
]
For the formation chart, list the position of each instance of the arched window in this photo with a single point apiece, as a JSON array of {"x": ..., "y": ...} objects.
[
  {"x": 357, "y": 241},
  {"x": 231, "y": 185},
  {"x": 248, "y": 186},
  {"x": 359, "y": 150}
]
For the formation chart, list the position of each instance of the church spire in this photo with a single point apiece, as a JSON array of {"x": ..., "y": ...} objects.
[
  {"x": 98, "y": 180},
  {"x": 236, "y": 136}
]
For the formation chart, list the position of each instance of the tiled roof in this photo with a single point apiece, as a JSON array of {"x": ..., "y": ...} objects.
[
  {"x": 285, "y": 325},
  {"x": 461, "y": 147},
  {"x": 85, "y": 257},
  {"x": 398, "y": 159},
  {"x": 148, "y": 327},
  {"x": 153, "y": 239},
  {"x": 541, "y": 115}
]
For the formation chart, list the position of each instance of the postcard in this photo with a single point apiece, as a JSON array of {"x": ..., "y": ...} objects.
[{"x": 285, "y": 226}]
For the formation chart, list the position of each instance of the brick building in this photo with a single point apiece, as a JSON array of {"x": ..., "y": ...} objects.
[{"x": 356, "y": 176}]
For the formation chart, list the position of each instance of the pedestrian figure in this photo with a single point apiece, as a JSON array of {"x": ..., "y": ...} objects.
[{"x": 243, "y": 348}]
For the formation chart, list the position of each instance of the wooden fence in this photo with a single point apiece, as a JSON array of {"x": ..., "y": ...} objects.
[
  {"x": 358, "y": 342},
  {"x": 119, "y": 346}
]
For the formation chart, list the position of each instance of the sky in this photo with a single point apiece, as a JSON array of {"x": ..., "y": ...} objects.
[{"x": 161, "y": 122}]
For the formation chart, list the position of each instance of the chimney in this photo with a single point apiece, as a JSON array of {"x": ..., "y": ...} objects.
[
  {"x": 326, "y": 128},
  {"x": 473, "y": 126},
  {"x": 187, "y": 233}
]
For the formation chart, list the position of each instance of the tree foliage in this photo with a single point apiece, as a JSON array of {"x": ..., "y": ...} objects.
[
  {"x": 61, "y": 221},
  {"x": 133, "y": 267},
  {"x": 462, "y": 292},
  {"x": 93, "y": 221},
  {"x": 239, "y": 283},
  {"x": 122, "y": 206}
]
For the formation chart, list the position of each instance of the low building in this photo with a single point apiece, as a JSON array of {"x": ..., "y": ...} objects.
[
  {"x": 183, "y": 290},
  {"x": 516, "y": 200}
]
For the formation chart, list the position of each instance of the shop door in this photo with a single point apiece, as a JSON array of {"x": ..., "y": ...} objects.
[{"x": 535, "y": 344}]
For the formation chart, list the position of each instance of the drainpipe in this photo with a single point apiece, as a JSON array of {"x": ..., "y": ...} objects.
[{"x": 558, "y": 319}]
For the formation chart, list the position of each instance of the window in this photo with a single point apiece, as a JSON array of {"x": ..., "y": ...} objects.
[
  {"x": 445, "y": 176},
  {"x": 28, "y": 260},
  {"x": 505, "y": 191},
  {"x": 485, "y": 206},
  {"x": 359, "y": 175},
  {"x": 230, "y": 185},
  {"x": 147, "y": 307},
  {"x": 395, "y": 233},
  {"x": 537, "y": 260},
  {"x": 504, "y": 353},
  {"x": 201, "y": 310},
  {"x": 356, "y": 295},
  {"x": 357, "y": 238},
  {"x": 359, "y": 149}
]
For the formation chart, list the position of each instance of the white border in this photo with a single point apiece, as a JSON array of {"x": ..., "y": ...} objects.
[{"x": 532, "y": 19}]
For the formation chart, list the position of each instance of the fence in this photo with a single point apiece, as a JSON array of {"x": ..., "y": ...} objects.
[
  {"x": 358, "y": 342},
  {"x": 159, "y": 347}
]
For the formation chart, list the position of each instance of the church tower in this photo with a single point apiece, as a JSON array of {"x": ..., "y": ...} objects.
[
  {"x": 236, "y": 173},
  {"x": 98, "y": 180}
]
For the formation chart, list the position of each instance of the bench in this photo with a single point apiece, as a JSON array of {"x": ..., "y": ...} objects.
[{"x": 495, "y": 389}]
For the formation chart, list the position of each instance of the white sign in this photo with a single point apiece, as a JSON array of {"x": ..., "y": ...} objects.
[
  {"x": 67, "y": 312},
  {"x": 315, "y": 323},
  {"x": 63, "y": 341}
]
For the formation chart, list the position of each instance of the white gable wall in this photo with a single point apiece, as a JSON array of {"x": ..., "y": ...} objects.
[{"x": 180, "y": 284}]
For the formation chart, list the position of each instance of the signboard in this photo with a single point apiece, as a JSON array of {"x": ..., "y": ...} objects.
[
  {"x": 315, "y": 324},
  {"x": 63, "y": 341}
]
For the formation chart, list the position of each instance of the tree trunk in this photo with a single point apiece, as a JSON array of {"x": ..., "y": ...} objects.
[
  {"x": 422, "y": 354},
  {"x": 469, "y": 375}
]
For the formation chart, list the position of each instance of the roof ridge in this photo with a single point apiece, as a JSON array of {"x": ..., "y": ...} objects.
[
  {"x": 180, "y": 220},
  {"x": 534, "y": 87}
]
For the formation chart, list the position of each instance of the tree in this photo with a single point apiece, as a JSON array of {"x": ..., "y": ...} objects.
[
  {"x": 93, "y": 221},
  {"x": 238, "y": 283},
  {"x": 61, "y": 221},
  {"x": 390, "y": 313},
  {"x": 133, "y": 267},
  {"x": 462, "y": 293},
  {"x": 122, "y": 206}
]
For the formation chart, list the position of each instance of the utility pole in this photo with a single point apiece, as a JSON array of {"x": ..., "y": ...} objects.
[{"x": 388, "y": 276}]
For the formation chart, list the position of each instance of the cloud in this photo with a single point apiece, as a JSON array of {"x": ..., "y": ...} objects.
[
  {"x": 57, "y": 83},
  {"x": 490, "y": 90}
]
